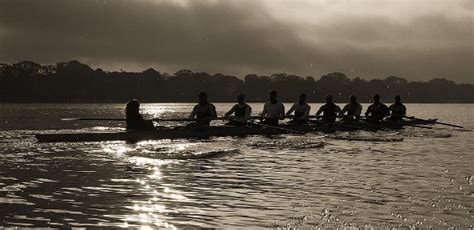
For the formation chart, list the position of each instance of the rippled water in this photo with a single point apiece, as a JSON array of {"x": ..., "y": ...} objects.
[{"x": 423, "y": 179}]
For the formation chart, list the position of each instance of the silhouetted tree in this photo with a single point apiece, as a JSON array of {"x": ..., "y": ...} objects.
[{"x": 73, "y": 81}]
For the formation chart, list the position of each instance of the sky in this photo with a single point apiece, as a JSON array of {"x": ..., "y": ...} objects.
[{"x": 415, "y": 39}]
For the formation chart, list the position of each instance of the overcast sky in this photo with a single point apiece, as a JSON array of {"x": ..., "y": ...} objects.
[{"x": 414, "y": 39}]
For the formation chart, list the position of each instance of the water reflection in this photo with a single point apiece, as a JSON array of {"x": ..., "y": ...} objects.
[{"x": 255, "y": 182}]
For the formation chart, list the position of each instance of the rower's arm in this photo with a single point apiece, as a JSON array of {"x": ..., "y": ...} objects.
[
  {"x": 344, "y": 110},
  {"x": 290, "y": 111},
  {"x": 367, "y": 112},
  {"x": 213, "y": 112},
  {"x": 264, "y": 111},
  {"x": 338, "y": 111},
  {"x": 320, "y": 110},
  {"x": 306, "y": 113},
  {"x": 248, "y": 113},
  {"x": 193, "y": 114},
  {"x": 358, "y": 112},
  {"x": 282, "y": 112},
  {"x": 386, "y": 111},
  {"x": 404, "y": 110},
  {"x": 232, "y": 110}
]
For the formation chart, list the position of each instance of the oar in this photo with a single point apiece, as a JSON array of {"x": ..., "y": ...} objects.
[
  {"x": 436, "y": 122},
  {"x": 92, "y": 119},
  {"x": 344, "y": 125},
  {"x": 122, "y": 119},
  {"x": 276, "y": 127},
  {"x": 265, "y": 126},
  {"x": 412, "y": 125}
]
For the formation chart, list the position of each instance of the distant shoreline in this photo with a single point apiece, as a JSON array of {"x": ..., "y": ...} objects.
[{"x": 75, "y": 82}]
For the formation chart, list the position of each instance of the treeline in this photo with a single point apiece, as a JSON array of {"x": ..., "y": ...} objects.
[{"x": 76, "y": 82}]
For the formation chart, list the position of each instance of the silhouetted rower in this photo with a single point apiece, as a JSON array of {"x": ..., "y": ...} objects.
[
  {"x": 273, "y": 110},
  {"x": 329, "y": 110},
  {"x": 352, "y": 110},
  {"x": 301, "y": 110},
  {"x": 397, "y": 109},
  {"x": 241, "y": 111},
  {"x": 377, "y": 111},
  {"x": 134, "y": 118},
  {"x": 203, "y": 112}
]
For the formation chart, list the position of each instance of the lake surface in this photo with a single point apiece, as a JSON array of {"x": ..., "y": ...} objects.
[{"x": 285, "y": 181}]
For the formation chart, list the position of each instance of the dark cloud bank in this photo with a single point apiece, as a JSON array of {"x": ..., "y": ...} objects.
[{"x": 234, "y": 37}]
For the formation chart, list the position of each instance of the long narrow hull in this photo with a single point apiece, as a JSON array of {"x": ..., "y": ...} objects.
[{"x": 216, "y": 131}]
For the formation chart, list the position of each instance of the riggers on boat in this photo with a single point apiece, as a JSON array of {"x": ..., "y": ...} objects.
[{"x": 219, "y": 131}]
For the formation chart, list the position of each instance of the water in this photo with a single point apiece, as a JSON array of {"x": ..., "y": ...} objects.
[{"x": 255, "y": 182}]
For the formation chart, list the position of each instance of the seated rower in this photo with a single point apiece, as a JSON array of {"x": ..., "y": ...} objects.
[
  {"x": 353, "y": 110},
  {"x": 301, "y": 110},
  {"x": 398, "y": 110},
  {"x": 273, "y": 110},
  {"x": 329, "y": 110},
  {"x": 241, "y": 112},
  {"x": 377, "y": 111},
  {"x": 203, "y": 112},
  {"x": 133, "y": 117}
]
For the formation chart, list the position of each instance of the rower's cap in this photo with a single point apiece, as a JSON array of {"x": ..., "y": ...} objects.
[{"x": 241, "y": 95}]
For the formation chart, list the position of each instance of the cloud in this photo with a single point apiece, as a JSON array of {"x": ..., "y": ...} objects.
[{"x": 365, "y": 39}]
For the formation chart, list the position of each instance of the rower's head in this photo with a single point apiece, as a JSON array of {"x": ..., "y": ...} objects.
[
  {"x": 353, "y": 99},
  {"x": 302, "y": 98},
  {"x": 398, "y": 99},
  {"x": 329, "y": 98},
  {"x": 273, "y": 96},
  {"x": 376, "y": 98},
  {"x": 133, "y": 106},
  {"x": 241, "y": 98},
  {"x": 202, "y": 97}
]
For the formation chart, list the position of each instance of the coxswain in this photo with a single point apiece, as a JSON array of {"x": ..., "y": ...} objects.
[
  {"x": 378, "y": 110},
  {"x": 241, "y": 112},
  {"x": 329, "y": 110},
  {"x": 352, "y": 111},
  {"x": 203, "y": 112},
  {"x": 301, "y": 111},
  {"x": 133, "y": 117},
  {"x": 398, "y": 110},
  {"x": 273, "y": 110}
]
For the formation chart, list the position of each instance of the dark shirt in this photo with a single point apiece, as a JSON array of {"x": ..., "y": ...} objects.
[
  {"x": 136, "y": 121},
  {"x": 204, "y": 113},
  {"x": 353, "y": 111},
  {"x": 377, "y": 111},
  {"x": 330, "y": 112},
  {"x": 398, "y": 111}
]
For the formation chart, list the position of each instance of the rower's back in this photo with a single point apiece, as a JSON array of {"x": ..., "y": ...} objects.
[
  {"x": 397, "y": 110},
  {"x": 377, "y": 111},
  {"x": 329, "y": 110},
  {"x": 204, "y": 112},
  {"x": 134, "y": 119}
]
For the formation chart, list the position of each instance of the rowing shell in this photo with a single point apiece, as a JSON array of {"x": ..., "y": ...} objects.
[{"x": 213, "y": 131}]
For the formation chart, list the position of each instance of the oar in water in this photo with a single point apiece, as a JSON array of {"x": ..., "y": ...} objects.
[{"x": 436, "y": 122}]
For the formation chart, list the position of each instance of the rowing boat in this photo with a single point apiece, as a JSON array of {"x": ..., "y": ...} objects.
[{"x": 220, "y": 131}]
